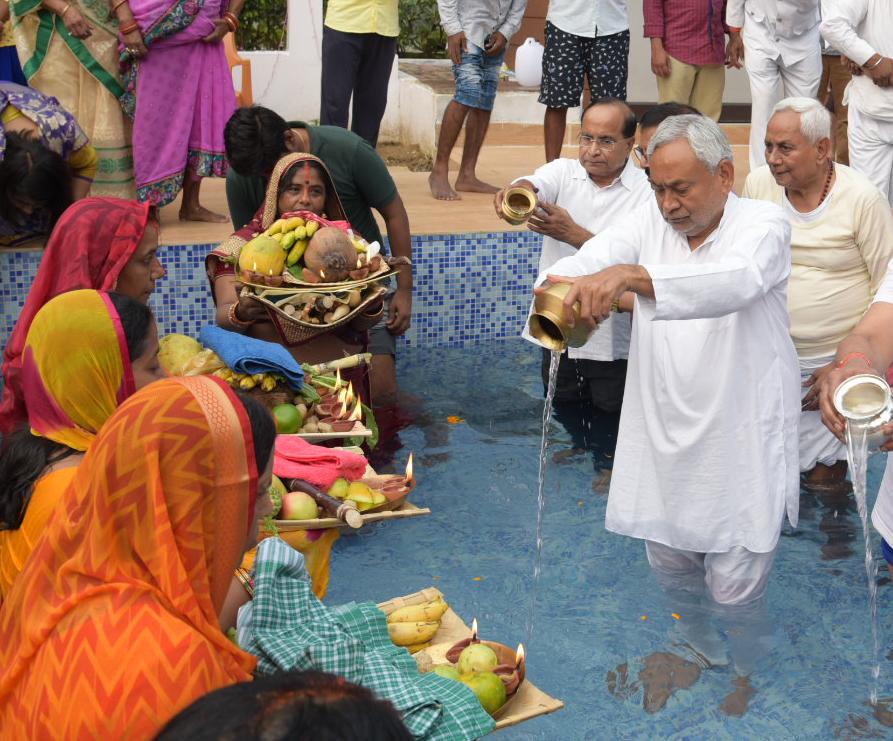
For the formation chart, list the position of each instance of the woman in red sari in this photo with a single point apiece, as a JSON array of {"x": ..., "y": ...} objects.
[
  {"x": 114, "y": 624},
  {"x": 107, "y": 244}
]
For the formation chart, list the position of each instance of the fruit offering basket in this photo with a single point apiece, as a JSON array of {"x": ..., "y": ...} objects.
[{"x": 526, "y": 702}]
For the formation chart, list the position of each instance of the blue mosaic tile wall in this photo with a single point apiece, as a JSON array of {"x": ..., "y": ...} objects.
[{"x": 469, "y": 288}]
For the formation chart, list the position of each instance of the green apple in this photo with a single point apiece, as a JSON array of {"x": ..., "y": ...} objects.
[
  {"x": 477, "y": 657},
  {"x": 447, "y": 670}
]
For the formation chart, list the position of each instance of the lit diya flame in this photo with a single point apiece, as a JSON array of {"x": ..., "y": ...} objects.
[
  {"x": 357, "y": 414},
  {"x": 342, "y": 396},
  {"x": 519, "y": 655},
  {"x": 474, "y": 623},
  {"x": 350, "y": 394},
  {"x": 338, "y": 378},
  {"x": 322, "y": 274},
  {"x": 359, "y": 263},
  {"x": 343, "y": 412},
  {"x": 409, "y": 481},
  {"x": 255, "y": 266}
]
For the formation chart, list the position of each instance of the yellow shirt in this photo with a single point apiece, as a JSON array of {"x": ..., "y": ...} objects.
[
  {"x": 83, "y": 162},
  {"x": 839, "y": 256},
  {"x": 16, "y": 545},
  {"x": 364, "y": 16}
]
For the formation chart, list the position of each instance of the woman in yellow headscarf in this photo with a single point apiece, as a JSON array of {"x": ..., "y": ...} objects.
[
  {"x": 85, "y": 353},
  {"x": 114, "y": 624}
]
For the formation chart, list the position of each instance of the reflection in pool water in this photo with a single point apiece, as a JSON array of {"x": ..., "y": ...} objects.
[{"x": 599, "y": 610}]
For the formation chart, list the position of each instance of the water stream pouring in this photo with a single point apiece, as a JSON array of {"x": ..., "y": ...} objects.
[
  {"x": 865, "y": 402},
  {"x": 541, "y": 490}
]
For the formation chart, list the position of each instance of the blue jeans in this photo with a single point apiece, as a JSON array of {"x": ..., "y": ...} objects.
[{"x": 477, "y": 77}]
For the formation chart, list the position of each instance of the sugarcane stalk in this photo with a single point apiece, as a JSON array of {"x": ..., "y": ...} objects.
[{"x": 351, "y": 361}]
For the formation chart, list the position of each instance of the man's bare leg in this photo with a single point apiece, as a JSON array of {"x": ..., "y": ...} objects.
[
  {"x": 828, "y": 478},
  {"x": 190, "y": 208},
  {"x": 453, "y": 118},
  {"x": 475, "y": 131},
  {"x": 554, "y": 126},
  {"x": 383, "y": 380}
]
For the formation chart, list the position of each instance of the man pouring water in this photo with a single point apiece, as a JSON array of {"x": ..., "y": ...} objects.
[
  {"x": 867, "y": 350},
  {"x": 707, "y": 460}
]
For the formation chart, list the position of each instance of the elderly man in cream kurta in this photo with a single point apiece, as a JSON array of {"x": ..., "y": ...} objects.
[
  {"x": 706, "y": 463},
  {"x": 841, "y": 243}
]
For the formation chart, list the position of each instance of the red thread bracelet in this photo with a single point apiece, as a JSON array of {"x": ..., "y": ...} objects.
[{"x": 847, "y": 358}]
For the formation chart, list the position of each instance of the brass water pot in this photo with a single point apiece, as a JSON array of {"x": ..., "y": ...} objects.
[
  {"x": 548, "y": 324},
  {"x": 518, "y": 205}
]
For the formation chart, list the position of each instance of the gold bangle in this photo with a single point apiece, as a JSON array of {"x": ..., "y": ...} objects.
[
  {"x": 245, "y": 580},
  {"x": 615, "y": 306}
]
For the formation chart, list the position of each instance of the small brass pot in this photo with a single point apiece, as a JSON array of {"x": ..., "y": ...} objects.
[
  {"x": 548, "y": 324},
  {"x": 518, "y": 205}
]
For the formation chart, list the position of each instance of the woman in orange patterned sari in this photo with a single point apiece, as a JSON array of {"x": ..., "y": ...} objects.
[{"x": 113, "y": 625}]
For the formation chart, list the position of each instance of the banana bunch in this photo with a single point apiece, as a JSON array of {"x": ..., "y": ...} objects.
[
  {"x": 414, "y": 626},
  {"x": 266, "y": 381},
  {"x": 293, "y": 234}
]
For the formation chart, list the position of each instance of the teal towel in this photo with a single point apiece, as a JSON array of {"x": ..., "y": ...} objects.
[{"x": 287, "y": 628}]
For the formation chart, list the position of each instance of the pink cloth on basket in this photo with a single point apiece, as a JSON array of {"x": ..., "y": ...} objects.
[{"x": 297, "y": 459}]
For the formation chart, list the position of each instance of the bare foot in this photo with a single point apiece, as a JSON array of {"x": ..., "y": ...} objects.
[
  {"x": 736, "y": 701},
  {"x": 441, "y": 189},
  {"x": 664, "y": 673},
  {"x": 473, "y": 185},
  {"x": 200, "y": 213}
]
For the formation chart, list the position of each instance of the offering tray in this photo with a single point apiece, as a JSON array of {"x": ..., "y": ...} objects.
[
  {"x": 528, "y": 702},
  {"x": 358, "y": 430},
  {"x": 290, "y": 284}
]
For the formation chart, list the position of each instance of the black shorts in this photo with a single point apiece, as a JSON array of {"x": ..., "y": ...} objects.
[
  {"x": 604, "y": 61},
  {"x": 596, "y": 382}
]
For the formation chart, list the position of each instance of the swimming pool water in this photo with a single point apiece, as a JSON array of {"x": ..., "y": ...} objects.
[{"x": 479, "y": 478}]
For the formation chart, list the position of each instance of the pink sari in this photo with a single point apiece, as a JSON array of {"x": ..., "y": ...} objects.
[{"x": 180, "y": 96}]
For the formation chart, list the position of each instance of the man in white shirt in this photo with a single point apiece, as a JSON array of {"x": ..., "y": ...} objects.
[
  {"x": 781, "y": 46},
  {"x": 706, "y": 463},
  {"x": 584, "y": 38},
  {"x": 862, "y": 30},
  {"x": 578, "y": 198},
  {"x": 867, "y": 349}
]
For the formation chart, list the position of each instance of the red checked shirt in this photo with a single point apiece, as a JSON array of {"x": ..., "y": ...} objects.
[{"x": 693, "y": 31}]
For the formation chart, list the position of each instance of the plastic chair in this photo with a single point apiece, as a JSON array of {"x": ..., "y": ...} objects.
[{"x": 243, "y": 97}]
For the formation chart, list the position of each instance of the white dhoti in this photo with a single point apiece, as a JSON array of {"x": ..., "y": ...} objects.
[
  {"x": 736, "y": 577},
  {"x": 770, "y": 81},
  {"x": 871, "y": 149},
  {"x": 817, "y": 443}
]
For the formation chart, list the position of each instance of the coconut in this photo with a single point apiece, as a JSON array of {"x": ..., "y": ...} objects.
[
  {"x": 262, "y": 255},
  {"x": 331, "y": 254},
  {"x": 175, "y": 351}
]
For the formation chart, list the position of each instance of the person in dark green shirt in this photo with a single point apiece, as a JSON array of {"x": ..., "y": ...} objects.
[{"x": 257, "y": 137}]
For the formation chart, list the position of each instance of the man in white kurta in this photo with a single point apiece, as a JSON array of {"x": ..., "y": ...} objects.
[
  {"x": 782, "y": 55},
  {"x": 579, "y": 198},
  {"x": 863, "y": 31},
  {"x": 706, "y": 463}
]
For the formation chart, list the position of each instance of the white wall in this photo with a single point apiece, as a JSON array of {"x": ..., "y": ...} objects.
[{"x": 288, "y": 81}]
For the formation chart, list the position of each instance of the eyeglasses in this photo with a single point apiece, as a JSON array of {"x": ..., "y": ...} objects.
[
  {"x": 604, "y": 143},
  {"x": 640, "y": 156}
]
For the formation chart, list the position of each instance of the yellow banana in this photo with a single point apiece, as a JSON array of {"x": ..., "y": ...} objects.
[
  {"x": 268, "y": 384},
  {"x": 275, "y": 227},
  {"x": 288, "y": 239},
  {"x": 409, "y": 634},
  {"x": 416, "y": 647},
  {"x": 311, "y": 228},
  {"x": 277, "y": 236},
  {"x": 297, "y": 252},
  {"x": 411, "y": 613},
  {"x": 291, "y": 224},
  {"x": 247, "y": 383}
]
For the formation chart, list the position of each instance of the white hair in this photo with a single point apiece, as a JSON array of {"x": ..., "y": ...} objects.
[
  {"x": 815, "y": 120},
  {"x": 703, "y": 135}
]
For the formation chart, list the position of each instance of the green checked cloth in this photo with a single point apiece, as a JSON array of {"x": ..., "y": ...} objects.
[{"x": 287, "y": 628}]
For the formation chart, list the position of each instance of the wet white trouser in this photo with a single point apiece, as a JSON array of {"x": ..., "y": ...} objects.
[
  {"x": 817, "y": 442},
  {"x": 735, "y": 577},
  {"x": 871, "y": 149},
  {"x": 770, "y": 81}
]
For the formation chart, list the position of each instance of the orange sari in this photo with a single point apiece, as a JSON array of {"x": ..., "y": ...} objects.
[{"x": 113, "y": 626}]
